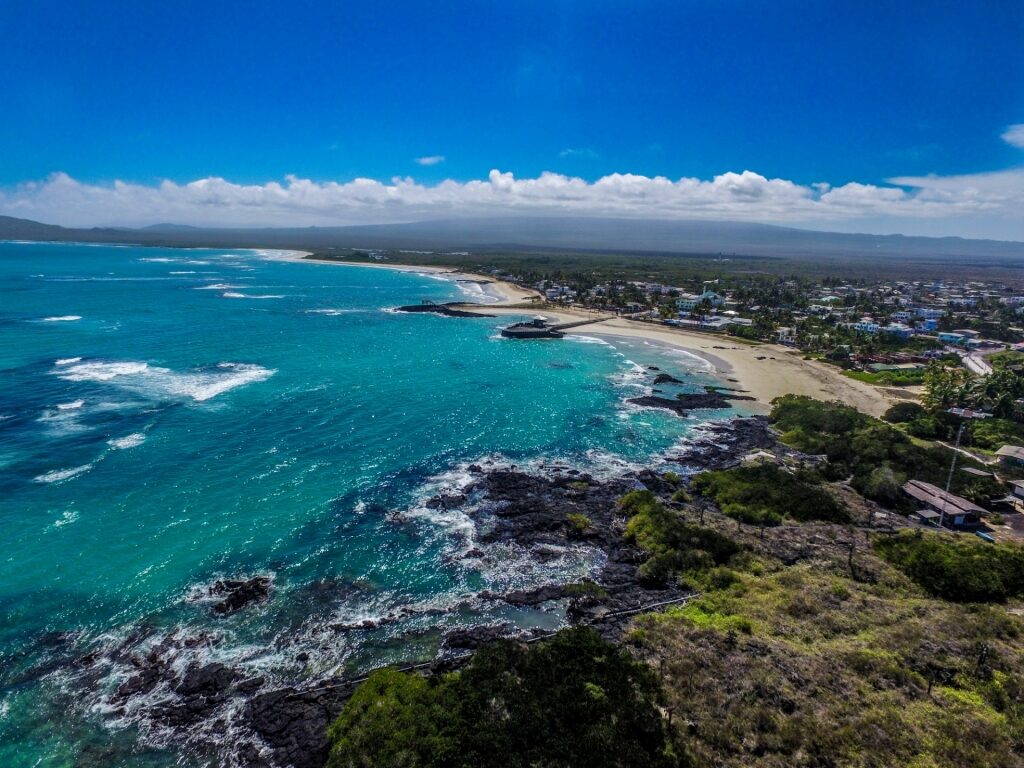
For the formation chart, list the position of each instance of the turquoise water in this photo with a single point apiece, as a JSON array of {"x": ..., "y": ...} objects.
[{"x": 168, "y": 417}]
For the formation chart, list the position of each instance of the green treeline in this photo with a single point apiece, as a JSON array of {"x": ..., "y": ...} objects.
[{"x": 876, "y": 457}]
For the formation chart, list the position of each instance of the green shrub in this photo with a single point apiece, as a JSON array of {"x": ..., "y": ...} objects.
[
  {"x": 957, "y": 568},
  {"x": 861, "y": 447},
  {"x": 765, "y": 495},
  {"x": 672, "y": 478},
  {"x": 903, "y": 412},
  {"x": 682, "y": 496},
  {"x": 578, "y": 524},
  {"x": 573, "y": 700},
  {"x": 673, "y": 545}
]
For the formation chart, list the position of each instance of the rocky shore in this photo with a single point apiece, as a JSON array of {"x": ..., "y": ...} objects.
[
  {"x": 245, "y": 721},
  {"x": 448, "y": 309}
]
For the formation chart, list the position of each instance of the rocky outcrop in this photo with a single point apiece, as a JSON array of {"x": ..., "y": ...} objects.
[
  {"x": 238, "y": 593},
  {"x": 665, "y": 378},
  {"x": 448, "y": 309}
]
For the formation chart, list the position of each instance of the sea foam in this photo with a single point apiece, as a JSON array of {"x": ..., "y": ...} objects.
[
  {"x": 59, "y": 475},
  {"x": 128, "y": 441},
  {"x": 163, "y": 383}
]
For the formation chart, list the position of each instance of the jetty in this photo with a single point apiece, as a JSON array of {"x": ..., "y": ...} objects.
[{"x": 538, "y": 328}]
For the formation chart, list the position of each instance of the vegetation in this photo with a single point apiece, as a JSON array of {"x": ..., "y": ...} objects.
[
  {"x": 766, "y": 495},
  {"x": 900, "y": 378},
  {"x": 874, "y": 456},
  {"x": 578, "y": 524},
  {"x": 573, "y": 700},
  {"x": 903, "y": 412},
  {"x": 675, "y": 547},
  {"x": 805, "y": 665},
  {"x": 960, "y": 569}
]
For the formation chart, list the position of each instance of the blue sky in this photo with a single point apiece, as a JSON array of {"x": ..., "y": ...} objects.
[{"x": 255, "y": 92}]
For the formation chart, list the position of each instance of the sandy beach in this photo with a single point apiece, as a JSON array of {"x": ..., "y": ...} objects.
[{"x": 765, "y": 371}]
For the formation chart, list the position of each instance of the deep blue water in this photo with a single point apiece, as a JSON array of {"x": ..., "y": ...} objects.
[{"x": 169, "y": 416}]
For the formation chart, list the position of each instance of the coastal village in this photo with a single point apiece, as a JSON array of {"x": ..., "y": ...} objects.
[{"x": 951, "y": 352}]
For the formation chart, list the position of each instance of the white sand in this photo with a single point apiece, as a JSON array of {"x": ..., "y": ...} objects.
[{"x": 765, "y": 371}]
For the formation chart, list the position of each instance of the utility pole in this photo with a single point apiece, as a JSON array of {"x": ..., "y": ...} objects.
[{"x": 949, "y": 479}]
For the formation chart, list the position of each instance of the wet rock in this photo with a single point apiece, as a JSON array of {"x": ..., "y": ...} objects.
[
  {"x": 207, "y": 680},
  {"x": 471, "y": 638},
  {"x": 448, "y": 309},
  {"x": 664, "y": 378},
  {"x": 238, "y": 593},
  {"x": 446, "y": 501},
  {"x": 250, "y": 685}
]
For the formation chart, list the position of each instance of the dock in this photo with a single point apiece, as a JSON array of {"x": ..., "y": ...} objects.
[{"x": 539, "y": 329}]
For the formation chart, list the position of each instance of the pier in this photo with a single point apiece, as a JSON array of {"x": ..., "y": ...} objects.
[{"x": 539, "y": 329}]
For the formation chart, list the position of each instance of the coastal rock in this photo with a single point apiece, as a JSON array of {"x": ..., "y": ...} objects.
[
  {"x": 448, "y": 309},
  {"x": 239, "y": 593},
  {"x": 665, "y": 378},
  {"x": 446, "y": 501},
  {"x": 471, "y": 638},
  {"x": 212, "y": 679},
  {"x": 293, "y": 724},
  {"x": 652, "y": 401}
]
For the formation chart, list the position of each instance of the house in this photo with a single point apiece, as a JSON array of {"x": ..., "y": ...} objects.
[
  {"x": 864, "y": 325},
  {"x": 943, "y": 508},
  {"x": 715, "y": 323},
  {"x": 1017, "y": 487},
  {"x": 1011, "y": 455},
  {"x": 948, "y": 337},
  {"x": 785, "y": 336},
  {"x": 688, "y": 301},
  {"x": 903, "y": 316},
  {"x": 898, "y": 330}
]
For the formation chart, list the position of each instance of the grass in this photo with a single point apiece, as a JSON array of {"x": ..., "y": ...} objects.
[
  {"x": 887, "y": 378},
  {"x": 805, "y": 666}
]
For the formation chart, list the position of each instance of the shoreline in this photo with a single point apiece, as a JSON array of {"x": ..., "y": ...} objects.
[
  {"x": 503, "y": 293},
  {"x": 765, "y": 371}
]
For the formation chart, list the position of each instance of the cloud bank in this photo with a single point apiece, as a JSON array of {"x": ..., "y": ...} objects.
[{"x": 992, "y": 201}]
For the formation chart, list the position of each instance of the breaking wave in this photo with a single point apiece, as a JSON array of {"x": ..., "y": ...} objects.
[{"x": 163, "y": 383}]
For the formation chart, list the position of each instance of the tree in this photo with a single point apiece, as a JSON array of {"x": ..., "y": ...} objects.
[
  {"x": 573, "y": 700},
  {"x": 944, "y": 387}
]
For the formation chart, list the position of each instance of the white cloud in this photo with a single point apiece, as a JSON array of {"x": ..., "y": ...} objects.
[
  {"x": 583, "y": 152},
  {"x": 1014, "y": 135},
  {"x": 430, "y": 160},
  {"x": 929, "y": 203}
]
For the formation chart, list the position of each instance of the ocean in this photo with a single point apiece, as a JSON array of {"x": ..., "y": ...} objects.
[{"x": 171, "y": 417}]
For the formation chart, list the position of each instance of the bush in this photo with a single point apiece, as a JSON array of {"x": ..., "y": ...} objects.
[
  {"x": 955, "y": 568},
  {"x": 674, "y": 546},
  {"x": 858, "y": 445},
  {"x": 578, "y": 524},
  {"x": 766, "y": 494},
  {"x": 574, "y": 700},
  {"x": 903, "y": 412}
]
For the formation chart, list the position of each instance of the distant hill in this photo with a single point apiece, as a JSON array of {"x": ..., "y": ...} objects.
[{"x": 559, "y": 234}]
